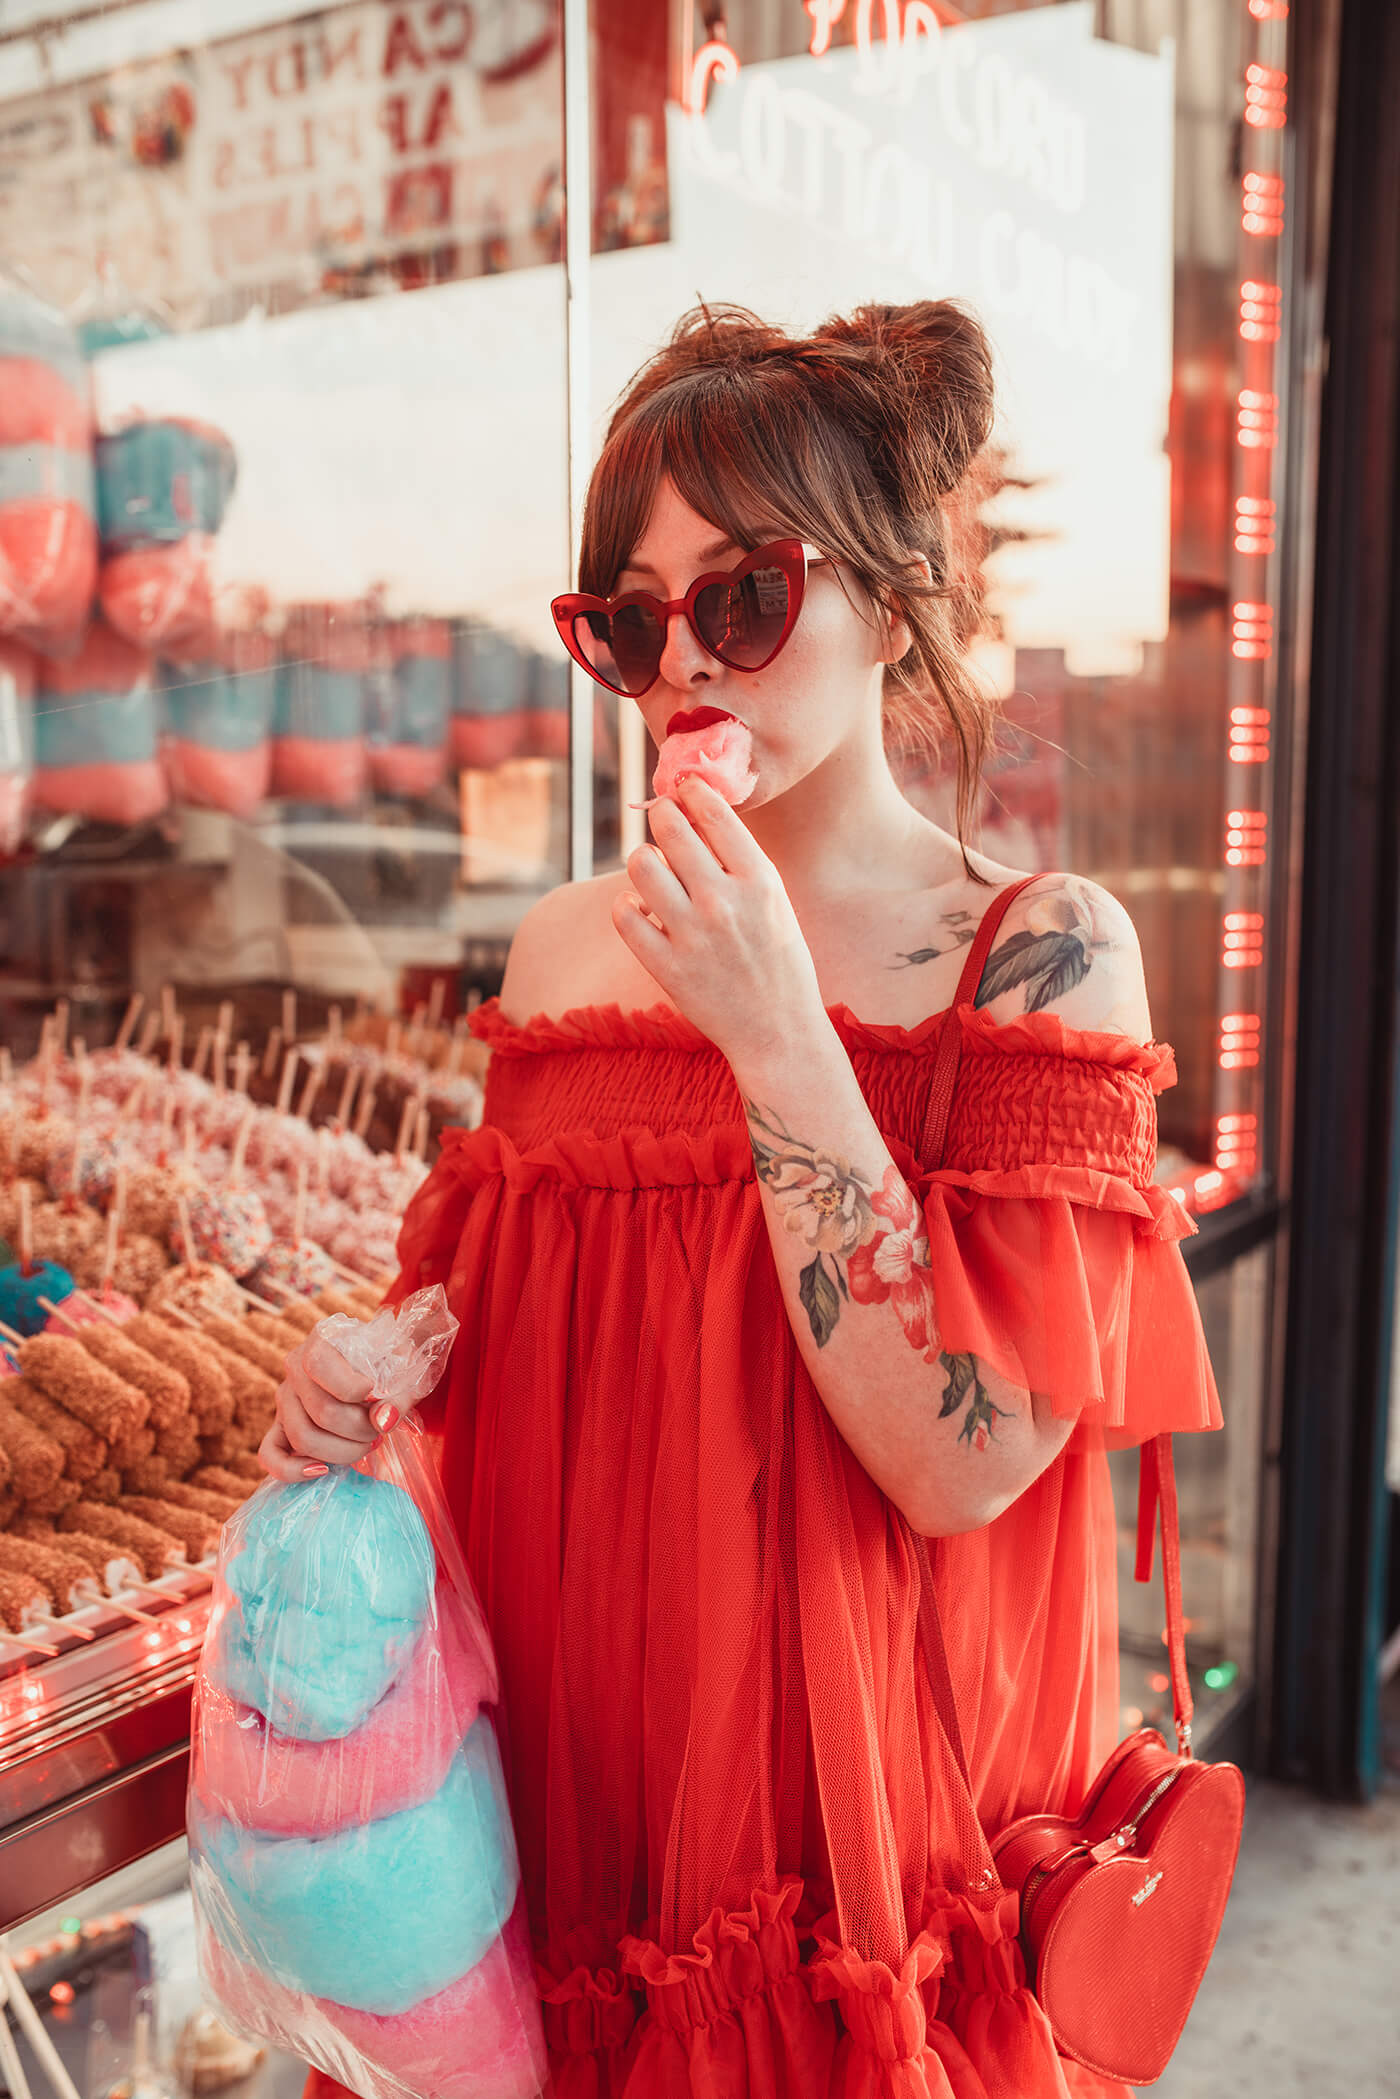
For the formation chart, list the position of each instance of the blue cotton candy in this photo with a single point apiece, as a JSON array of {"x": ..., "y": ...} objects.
[
  {"x": 380, "y": 1916},
  {"x": 331, "y": 1586}
]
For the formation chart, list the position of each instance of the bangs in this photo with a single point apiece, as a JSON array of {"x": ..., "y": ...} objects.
[{"x": 720, "y": 451}]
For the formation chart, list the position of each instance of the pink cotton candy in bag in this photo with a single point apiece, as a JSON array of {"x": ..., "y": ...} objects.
[{"x": 470, "y": 2040}]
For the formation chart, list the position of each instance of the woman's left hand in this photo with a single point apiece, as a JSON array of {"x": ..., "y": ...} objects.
[{"x": 727, "y": 949}]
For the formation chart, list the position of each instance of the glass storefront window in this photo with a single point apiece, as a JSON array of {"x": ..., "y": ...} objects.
[
  {"x": 310, "y": 704},
  {"x": 314, "y": 274},
  {"x": 1104, "y": 186},
  {"x": 303, "y": 363}
]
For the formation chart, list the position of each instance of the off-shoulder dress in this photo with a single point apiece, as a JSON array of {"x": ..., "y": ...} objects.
[{"x": 744, "y": 1839}]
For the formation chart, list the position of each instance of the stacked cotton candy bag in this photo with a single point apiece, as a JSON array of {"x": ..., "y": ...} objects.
[
  {"x": 488, "y": 697},
  {"x": 547, "y": 714},
  {"x": 357, "y": 1890},
  {"x": 408, "y": 739},
  {"x": 48, "y": 526},
  {"x": 163, "y": 485},
  {"x": 330, "y": 658},
  {"x": 218, "y": 717},
  {"x": 96, "y": 732}
]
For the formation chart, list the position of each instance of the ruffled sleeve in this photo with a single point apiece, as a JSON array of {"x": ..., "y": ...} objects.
[{"x": 1055, "y": 1258}]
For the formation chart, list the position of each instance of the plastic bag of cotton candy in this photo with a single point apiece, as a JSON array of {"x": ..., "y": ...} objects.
[{"x": 356, "y": 1885}]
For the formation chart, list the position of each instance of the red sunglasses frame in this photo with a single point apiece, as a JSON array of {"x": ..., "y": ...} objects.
[{"x": 793, "y": 556}]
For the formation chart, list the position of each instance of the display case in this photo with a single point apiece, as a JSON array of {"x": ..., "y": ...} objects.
[{"x": 94, "y": 1740}]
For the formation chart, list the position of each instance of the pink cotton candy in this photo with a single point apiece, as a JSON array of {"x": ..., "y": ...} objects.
[
  {"x": 477, "y": 2039},
  {"x": 721, "y": 754}
]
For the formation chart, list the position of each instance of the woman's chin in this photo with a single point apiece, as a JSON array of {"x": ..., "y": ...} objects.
[{"x": 765, "y": 789}]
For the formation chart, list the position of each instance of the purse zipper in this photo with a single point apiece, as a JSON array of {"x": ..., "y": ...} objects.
[{"x": 1123, "y": 1836}]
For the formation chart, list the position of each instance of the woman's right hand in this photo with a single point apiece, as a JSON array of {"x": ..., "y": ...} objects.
[{"x": 323, "y": 1415}]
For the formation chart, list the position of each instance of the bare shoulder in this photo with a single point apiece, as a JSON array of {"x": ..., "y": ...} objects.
[
  {"x": 563, "y": 950},
  {"x": 1068, "y": 946}
]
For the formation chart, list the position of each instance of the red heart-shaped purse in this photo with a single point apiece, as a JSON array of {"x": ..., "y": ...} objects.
[{"x": 1121, "y": 1904}]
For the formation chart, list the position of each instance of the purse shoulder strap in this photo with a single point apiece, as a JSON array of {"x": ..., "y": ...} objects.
[
  {"x": 949, "y": 1051},
  {"x": 1156, "y": 1471},
  {"x": 1157, "y": 1486}
]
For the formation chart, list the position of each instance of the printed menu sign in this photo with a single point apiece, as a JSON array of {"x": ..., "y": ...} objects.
[{"x": 367, "y": 148}]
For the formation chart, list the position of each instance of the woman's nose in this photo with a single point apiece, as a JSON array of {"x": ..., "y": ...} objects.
[{"x": 683, "y": 661}]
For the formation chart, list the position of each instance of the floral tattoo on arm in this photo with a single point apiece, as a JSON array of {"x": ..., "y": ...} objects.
[{"x": 868, "y": 1248}]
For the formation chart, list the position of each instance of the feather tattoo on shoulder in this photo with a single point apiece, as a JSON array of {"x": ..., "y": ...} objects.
[
  {"x": 962, "y": 930},
  {"x": 1063, "y": 930}
]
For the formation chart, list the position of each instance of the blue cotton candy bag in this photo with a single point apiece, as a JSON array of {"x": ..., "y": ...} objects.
[{"x": 355, "y": 1875}]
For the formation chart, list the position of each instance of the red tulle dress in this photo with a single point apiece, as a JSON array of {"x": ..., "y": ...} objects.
[{"x": 751, "y": 1865}]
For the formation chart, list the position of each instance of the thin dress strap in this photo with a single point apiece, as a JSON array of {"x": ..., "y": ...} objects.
[{"x": 945, "y": 1069}]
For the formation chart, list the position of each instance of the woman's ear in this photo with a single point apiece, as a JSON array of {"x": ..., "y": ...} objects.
[{"x": 897, "y": 632}]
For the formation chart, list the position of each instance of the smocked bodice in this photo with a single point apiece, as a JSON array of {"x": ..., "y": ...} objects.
[{"x": 1031, "y": 1092}]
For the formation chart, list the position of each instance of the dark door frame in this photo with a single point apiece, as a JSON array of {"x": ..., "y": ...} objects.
[{"x": 1333, "y": 1504}]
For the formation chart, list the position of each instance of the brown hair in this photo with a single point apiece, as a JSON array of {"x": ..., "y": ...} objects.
[{"x": 854, "y": 438}]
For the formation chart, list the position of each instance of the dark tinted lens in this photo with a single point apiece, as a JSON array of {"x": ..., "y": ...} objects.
[
  {"x": 624, "y": 648},
  {"x": 743, "y": 622}
]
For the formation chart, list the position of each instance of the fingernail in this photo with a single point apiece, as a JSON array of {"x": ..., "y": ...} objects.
[
  {"x": 314, "y": 1472},
  {"x": 382, "y": 1415}
]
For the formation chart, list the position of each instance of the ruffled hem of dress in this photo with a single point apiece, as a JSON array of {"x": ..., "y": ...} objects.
[
  {"x": 741, "y": 2015},
  {"x": 660, "y": 1026}
]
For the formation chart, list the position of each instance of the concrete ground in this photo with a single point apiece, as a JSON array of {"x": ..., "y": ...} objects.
[{"x": 1302, "y": 1999}]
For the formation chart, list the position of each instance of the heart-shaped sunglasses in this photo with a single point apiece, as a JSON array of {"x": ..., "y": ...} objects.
[{"x": 741, "y": 615}]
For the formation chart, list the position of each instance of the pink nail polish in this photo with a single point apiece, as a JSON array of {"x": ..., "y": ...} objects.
[
  {"x": 314, "y": 1472},
  {"x": 382, "y": 1415}
]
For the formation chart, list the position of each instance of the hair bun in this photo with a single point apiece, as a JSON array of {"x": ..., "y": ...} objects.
[{"x": 923, "y": 372}]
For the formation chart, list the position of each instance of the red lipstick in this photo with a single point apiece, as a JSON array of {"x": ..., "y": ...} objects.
[{"x": 682, "y": 722}]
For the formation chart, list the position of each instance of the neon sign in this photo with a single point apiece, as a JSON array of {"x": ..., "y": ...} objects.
[
  {"x": 1249, "y": 734},
  {"x": 1266, "y": 97},
  {"x": 713, "y": 61},
  {"x": 1262, "y": 204},
  {"x": 1244, "y": 939},
  {"x": 1240, "y": 1036},
  {"x": 1236, "y": 1142},
  {"x": 1261, "y": 311},
  {"x": 1253, "y": 630},
  {"x": 904, "y": 27},
  {"x": 1257, "y": 419},
  {"x": 1246, "y": 837},
  {"x": 905, "y": 51},
  {"x": 1254, "y": 524}
]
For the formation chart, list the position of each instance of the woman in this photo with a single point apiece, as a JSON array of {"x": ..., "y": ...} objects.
[{"x": 730, "y": 1349}]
